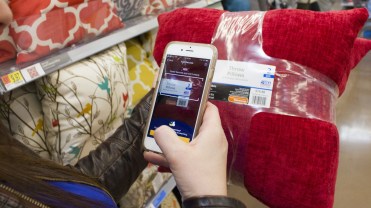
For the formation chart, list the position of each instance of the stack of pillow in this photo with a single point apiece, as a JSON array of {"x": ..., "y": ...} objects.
[
  {"x": 66, "y": 114},
  {"x": 284, "y": 159}
]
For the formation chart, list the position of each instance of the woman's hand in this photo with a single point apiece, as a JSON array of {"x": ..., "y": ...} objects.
[{"x": 199, "y": 167}]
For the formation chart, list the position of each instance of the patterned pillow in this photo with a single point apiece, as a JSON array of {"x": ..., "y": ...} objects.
[
  {"x": 148, "y": 42},
  {"x": 102, "y": 134},
  {"x": 83, "y": 101},
  {"x": 7, "y": 49},
  {"x": 129, "y": 8},
  {"x": 53, "y": 26},
  {"x": 142, "y": 70},
  {"x": 20, "y": 111},
  {"x": 147, "y": 184},
  {"x": 158, "y": 6},
  {"x": 33, "y": 7}
]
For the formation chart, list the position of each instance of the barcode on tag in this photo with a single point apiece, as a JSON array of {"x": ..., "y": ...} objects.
[
  {"x": 260, "y": 97},
  {"x": 32, "y": 72},
  {"x": 258, "y": 100},
  {"x": 182, "y": 102}
]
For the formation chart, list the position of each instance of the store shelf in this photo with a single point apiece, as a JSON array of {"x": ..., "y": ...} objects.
[
  {"x": 14, "y": 76},
  {"x": 350, "y": 4},
  {"x": 347, "y": 4}
]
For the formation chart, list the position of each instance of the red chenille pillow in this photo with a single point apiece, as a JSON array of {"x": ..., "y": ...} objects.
[
  {"x": 52, "y": 27},
  {"x": 189, "y": 25},
  {"x": 360, "y": 49},
  {"x": 7, "y": 50},
  {"x": 292, "y": 167},
  {"x": 324, "y": 43},
  {"x": 327, "y": 38},
  {"x": 283, "y": 32}
]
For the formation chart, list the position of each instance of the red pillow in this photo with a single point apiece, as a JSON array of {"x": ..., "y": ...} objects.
[
  {"x": 7, "y": 50},
  {"x": 323, "y": 50},
  {"x": 195, "y": 25},
  {"x": 188, "y": 25},
  {"x": 360, "y": 49},
  {"x": 47, "y": 30},
  {"x": 292, "y": 167},
  {"x": 324, "y": 43}
]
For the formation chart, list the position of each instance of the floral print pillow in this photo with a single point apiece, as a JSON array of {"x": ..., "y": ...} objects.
[
  {"x": 142, "y": 67},
  {"x": 21, "y": 113},
  {"x": 82, "y": 102}
]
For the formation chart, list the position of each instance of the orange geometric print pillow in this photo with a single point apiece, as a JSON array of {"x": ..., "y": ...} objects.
[
  {"x": 59, "y": 24},
  {"x": 39, "y": 6},
  {"x": 7, "y": 50}
]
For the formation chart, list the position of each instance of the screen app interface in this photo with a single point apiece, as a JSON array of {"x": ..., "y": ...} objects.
[{"x": 179, "y": 95}]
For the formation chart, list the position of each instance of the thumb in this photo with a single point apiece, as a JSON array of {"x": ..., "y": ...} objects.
[{"x": 167, "y": 139}]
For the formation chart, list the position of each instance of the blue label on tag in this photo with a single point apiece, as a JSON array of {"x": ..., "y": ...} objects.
[
  {"x": 268, "y": 75},
  {"x": 173, "y": 87}
]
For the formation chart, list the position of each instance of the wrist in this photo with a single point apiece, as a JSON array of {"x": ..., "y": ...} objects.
[
  {"x": 204, "y": 189},
  {"x": 212, "y": 201}
]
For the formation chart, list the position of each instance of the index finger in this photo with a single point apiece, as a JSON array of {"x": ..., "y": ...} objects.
[{"x": 211, "y": 117}]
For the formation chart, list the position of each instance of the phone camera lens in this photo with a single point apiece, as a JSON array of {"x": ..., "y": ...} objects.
[{"x": 182, "y": 50}]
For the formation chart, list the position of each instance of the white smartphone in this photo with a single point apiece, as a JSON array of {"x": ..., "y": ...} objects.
[{"x": 181, "y": 92}]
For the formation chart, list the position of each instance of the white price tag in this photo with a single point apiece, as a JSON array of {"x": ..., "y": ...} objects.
[
  {"x": 243, "y": 82},
  {"x": 175, "y": 88},
  {"x": 13, "y": 80},
  {"x": 244, "y": 74},
  {"x": 32, "y": 72}
]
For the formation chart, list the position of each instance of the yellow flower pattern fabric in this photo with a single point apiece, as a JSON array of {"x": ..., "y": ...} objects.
[{"x": 142, "y": 68}]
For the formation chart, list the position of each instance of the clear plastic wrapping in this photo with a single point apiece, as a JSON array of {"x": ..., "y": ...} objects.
[{"x": 296, "y": 90}]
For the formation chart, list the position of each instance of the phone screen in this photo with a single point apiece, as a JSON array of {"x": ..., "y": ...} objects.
[{"x": 179, "y": 95}]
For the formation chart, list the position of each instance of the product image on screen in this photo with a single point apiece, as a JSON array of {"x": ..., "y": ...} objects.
[{"x": 179, "y": 95}]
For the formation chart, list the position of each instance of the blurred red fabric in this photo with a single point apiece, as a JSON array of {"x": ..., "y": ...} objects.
[{"x": 7, "y": 50}]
